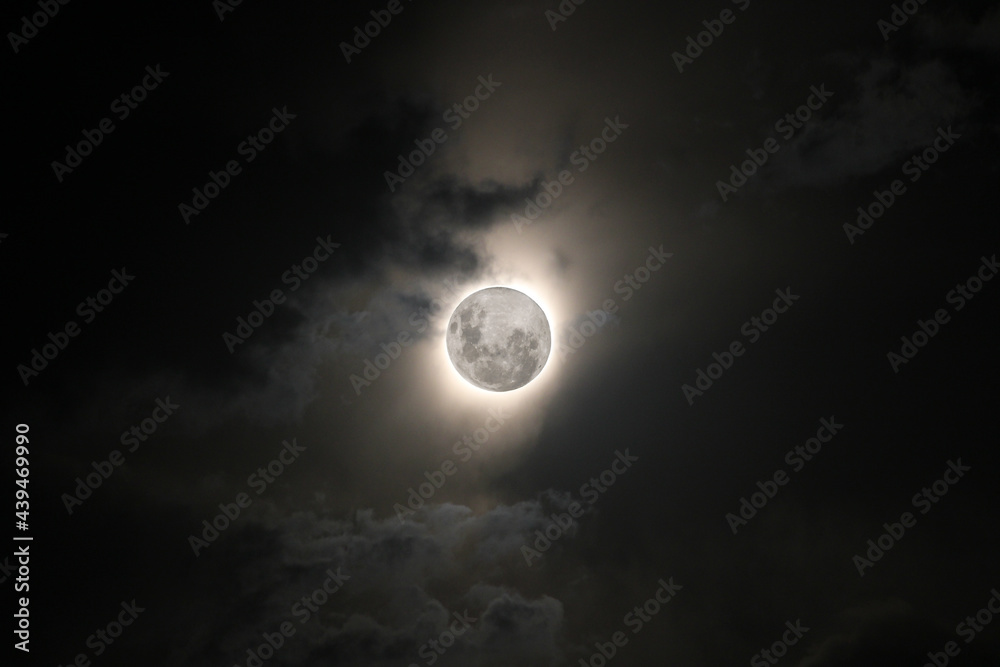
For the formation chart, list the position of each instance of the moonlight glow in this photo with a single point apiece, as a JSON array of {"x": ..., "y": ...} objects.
[{"x": 498, "y": 339}]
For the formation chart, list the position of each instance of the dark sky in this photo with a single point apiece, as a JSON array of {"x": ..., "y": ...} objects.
[{"x": 752, "y": 379}]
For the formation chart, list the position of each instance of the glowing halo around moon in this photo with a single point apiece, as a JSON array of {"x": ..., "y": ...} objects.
[{"x": 498, "y": 339}]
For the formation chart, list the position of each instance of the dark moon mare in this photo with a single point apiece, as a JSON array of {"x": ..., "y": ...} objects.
[{"x": 498, "y": 339}]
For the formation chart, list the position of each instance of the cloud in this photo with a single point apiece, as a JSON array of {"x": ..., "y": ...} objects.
[
  {"x": 402, "y": 262},
  {"x": 894, "y": 109},
  {"x": 407, "y": 583}
]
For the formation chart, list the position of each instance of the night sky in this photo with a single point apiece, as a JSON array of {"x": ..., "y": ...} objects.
[{"x": 764, "y": 235}]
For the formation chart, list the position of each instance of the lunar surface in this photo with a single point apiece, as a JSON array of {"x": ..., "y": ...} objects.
[{"x": 498, "y": 339}]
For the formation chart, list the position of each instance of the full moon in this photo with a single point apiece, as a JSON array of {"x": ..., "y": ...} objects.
[{"x": 498, "y": 339}]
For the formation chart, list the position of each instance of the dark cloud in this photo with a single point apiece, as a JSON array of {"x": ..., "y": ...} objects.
[
  {"x": 892, "y": 112},
  {"x": 403, "y": 582}
]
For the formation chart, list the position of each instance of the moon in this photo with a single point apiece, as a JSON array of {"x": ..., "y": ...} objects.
[{"x": 498, "y": 339}]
